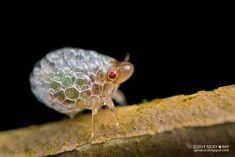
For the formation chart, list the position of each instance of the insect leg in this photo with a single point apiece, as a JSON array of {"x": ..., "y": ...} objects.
[
  {"x": 110, "y": 104},
  {"x": 119, "y": 97},
  {"x": 94, "y": 102},
  {"x": 94, "y": 113}
]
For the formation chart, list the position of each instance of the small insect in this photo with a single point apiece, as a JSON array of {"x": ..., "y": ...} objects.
[{"x": 70, "y": 80}]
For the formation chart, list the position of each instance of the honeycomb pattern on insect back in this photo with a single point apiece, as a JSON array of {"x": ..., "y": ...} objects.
[{"x": 68, "y": 78}]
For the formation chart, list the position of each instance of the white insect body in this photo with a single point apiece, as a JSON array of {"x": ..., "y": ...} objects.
[{"x": 70, "y": 80}]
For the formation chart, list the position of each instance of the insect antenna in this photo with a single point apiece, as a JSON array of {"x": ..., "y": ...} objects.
[{"x": 127, "y": 57}]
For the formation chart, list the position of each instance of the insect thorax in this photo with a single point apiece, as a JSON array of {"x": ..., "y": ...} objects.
[
  {"x": 67, "y": 79},
  {"x": 76, "y": 90}
]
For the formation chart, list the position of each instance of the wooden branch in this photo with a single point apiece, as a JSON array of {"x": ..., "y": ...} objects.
[{"x": 162, "y": 127}]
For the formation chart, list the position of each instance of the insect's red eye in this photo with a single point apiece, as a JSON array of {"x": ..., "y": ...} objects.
[{"x": 112, "y": 75}]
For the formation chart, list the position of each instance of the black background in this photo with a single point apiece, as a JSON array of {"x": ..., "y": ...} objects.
[{"x": 172, "y": 54}]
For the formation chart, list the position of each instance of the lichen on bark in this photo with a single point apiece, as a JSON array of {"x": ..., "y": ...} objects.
[{"x": 161, "y": 127}]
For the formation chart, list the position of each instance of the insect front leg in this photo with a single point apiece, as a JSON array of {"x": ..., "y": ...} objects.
[
  {"x": 119, "y": 97},
  {"x": 110, "y": 104}
]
